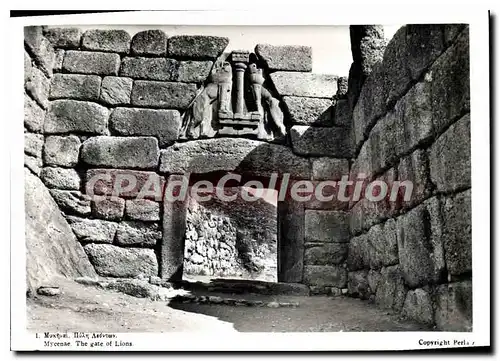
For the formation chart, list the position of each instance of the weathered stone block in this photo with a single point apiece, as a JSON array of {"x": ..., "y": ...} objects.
[
  {"x": 115, "y": 41},
  {"x": 142, "y": 210},
  {"x": 418, "y": 307},
  {"x": 124, "y": 183},
  {"x": 110, "y": 209},
  {"x": 93, "y": 230},
  {"x": 158, "y": 94},
  {"x": 115, "y": 261},
  {"x": 34, "y": 164},
  {"x": 457, "y": 233},
  {"x": 366, "y": 213},
  {"x": 450, "y": 76},
  {"x": 335, "y": 276},
  {"x": 451, "y": 31},
  {"x": 397, "y": 73},
  {"x": 326, "y": 226},
  {"x": 121, "y": 152},
  {"x": 90, "y": 62},
  {"x": 149, "y": 42},
  {"x": 305, "y": 84},
  {"x": 61, "y": 178},
  {"x": 233, "y": 154},
  {"x": 325, "y": 254},
  {"x": 116, "y": 90},
  {"x": 414, "y": 168},
  {"x": 421, "y": 253},
  {"x": 68, "y": 38},
  {"x": 373, "y": 279},
  {"x": 58, "y": 60},
  {"x": 68, "y": 116},
  {"x": 342, "y": 114},
  {"x": 40, "y": 48},
  {"x": 33, "y": 144},
  {"x": 424, "y": 43},
  {"x": 162, "y": 124},
  {"x": 417, "y": 108},
  {"x": 367, "y": 45},
  {"x": 382, "y": 245},
  {"x": 332, "y": 142},
  {"x": 138, "y": 233},
  {"x": 75, "y": 86},
  {"x": 28, "y": 65},
  {"x": 149, "y": 68},
  {"x": 449, "y": 157},
  {"x": 38, "y": 85},
  {"x": 371, "y": 104},
  {"x": 33, "y": 115},
  {"x": 196, "y": 46},
  {"x": 391, "y": 291},
  {"x": 61, "y": 151},
  {"x": 358, "y": 253},
  {"x": 285, "y": 57},
  {"x": 193, "y": 71},
  {"x": 357, "y": 284},
  {"x": 309, "y": 111},
  {"x": 329, "y": 168},
  {"x": 72, "y": 202},
  {"x": 454, "y": 307}
]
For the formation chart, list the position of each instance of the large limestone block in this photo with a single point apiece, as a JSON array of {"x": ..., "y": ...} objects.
[
  {"x": 449, "y": 157},
  {"x": 121, "y": 152},
  {"x": 391, "y": 290},
  {"x": 115, "y": 41},
  {"x": 116, "y": 90},
  {"x": 75, "y": 86},
  {"x": 73, "y": 116},
  {"x": 68, "y": 38},
  {"x": 196, "y": 46},
  {"x": 72, "y": 202},
  {"x": 305, "y": 84},
  {"x": 158, "y": 94},
  {"x": 326, "y": 226},
  {"x": 418, "y": 307},
  {"x": 114, "y": 261},
  {"x": 137, "y": 233},
  {"x": 309, "y": 111},
  {"x": 93, "y": 230},
  {"x": 91, "y": 62},
  {"x": 51, "y": 247},
  {"x": 162, "y": 124},
  {"x": 61, "y": 151},
  {"x": 149, "y": 68},
  {"x": 334, "y": 276},
  {"x": 321, "y": 141},
  {"x": 285, "y": 57},
  {"x": 325, "y": 254},
  {"x": 149, "y": 42},
  {"x": 233, "y": 154}
]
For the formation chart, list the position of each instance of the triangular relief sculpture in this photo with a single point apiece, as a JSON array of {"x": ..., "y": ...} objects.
[{"x": 234, "y": 102}]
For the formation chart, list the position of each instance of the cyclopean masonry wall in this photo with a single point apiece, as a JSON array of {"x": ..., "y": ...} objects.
[
  {"x": 411, "y": 122},
  {"x": 158, "y": 106}
]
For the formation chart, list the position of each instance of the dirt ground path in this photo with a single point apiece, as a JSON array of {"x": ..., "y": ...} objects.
[{"x": 89, "y": 309}]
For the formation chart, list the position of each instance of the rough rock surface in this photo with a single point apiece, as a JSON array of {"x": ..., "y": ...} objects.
[
  {"x": 305, "y": 84},
  {"x": 142, "y": 210},
  {"x": 33, "y": 115},
  {"x": 91, "y": 62},
  {"x": 61, "y": 178},
  {"x": 121, "y": 152},
  {"x": 115, "y": 41},
  {"x": 72, "y": 202},
  {"x": 51, "y": 247},
  {"x": 326, "y": 226},
  {"x": 68, "y": 38},
  {"x": 110, "y": 209},
  {"x": 418, "y": 307},
  {"x": 73, "y": 116},
  {"x": 162, "y": 124},
  {"x": 335, "y": 276},
  {"x": 309, "y": 111},
  {"x": 285, "y": 57},
  {"x": 149, "y": 42},
  {"x": 196, "y": 46},
  {"x": 149, "y": 68},
  {"x": 116, "y": 90},
  {"x": 454, "y": 306},
  {"x": 61, "y": 151},
  {"x": 157, "y": 94},
  {"x": 115, "y": 261},
  {"x": 93, "y": 230},
  {"x": 75, "y": 86},
  {"x": 321, "y": 141},
  {"x": 135, "y": 233}
]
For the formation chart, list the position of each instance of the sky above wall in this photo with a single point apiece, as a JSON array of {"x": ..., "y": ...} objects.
[{"x": 331, "y": 47}]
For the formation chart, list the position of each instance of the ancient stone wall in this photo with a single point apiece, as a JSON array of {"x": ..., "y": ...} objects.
[
  {"x": 411, "y": 122},
  {"x": 120, "y": 106}
]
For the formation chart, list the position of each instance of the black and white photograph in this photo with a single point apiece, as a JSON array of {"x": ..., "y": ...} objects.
[{"x": 242, "y": 181}]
